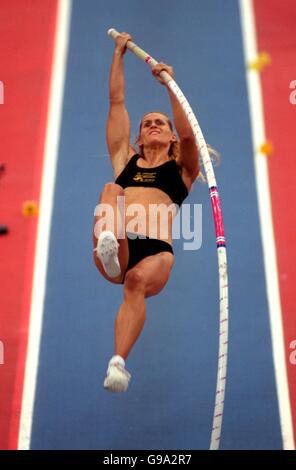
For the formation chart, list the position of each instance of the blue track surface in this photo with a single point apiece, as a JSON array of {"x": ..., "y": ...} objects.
[{"x": 171, "y": 398}]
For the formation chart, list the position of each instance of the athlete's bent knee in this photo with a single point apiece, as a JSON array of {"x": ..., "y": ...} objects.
[{"x": 134, "y": 280}]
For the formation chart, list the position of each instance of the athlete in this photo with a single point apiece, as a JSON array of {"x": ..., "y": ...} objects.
[{"x": 137, "y": 252}]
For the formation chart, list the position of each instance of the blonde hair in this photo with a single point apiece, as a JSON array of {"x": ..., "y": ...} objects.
[{"x": 174, "y": 150}]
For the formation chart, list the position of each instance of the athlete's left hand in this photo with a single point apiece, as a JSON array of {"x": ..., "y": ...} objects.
[{"x": 159, "y": 68}]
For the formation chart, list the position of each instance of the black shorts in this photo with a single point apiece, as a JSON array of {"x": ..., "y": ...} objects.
[{"x": 140, "y": 248}]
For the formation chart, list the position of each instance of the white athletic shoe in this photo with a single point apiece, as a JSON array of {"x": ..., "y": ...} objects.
[
  {"x": 107, "y": 252},
  {"x": 117, "y": 378}
]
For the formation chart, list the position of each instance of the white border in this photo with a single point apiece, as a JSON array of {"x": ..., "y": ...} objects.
[
  {"x": 266, "y": 224},
  {"x": 56, "y": 94}
]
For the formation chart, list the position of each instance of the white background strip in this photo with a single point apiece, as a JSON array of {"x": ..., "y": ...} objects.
[{"x": 56, "y": 93}]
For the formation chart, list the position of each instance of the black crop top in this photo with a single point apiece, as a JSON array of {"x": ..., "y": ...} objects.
[{"x": 165, "y": 177}]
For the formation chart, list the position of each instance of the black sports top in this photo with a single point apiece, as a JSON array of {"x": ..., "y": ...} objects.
[{"x": 165, "y": 177}]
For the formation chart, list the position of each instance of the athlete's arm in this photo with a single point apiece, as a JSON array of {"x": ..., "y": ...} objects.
[
  {"x": 118, "y": 123},
  {"x": 188, "y": 159}
]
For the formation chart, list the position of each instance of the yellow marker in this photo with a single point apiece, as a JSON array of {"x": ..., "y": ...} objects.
[
  {"x": 266, "y": 148},
  {"x": 262, "y": 60},
  {"x": 30, "y": 208}
]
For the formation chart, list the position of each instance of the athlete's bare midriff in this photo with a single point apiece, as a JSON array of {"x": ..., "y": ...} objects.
[
  {"x": 147, "y": 199},
  {"x": 153, "y": 212}
]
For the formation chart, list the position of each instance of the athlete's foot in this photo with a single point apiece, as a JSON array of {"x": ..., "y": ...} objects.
[
  {"x": 107, "y": 252},
  {"x": 117, "y": 378}
]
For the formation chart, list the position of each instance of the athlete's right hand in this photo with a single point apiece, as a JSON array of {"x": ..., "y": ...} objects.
[{"x": 120, "y": 42}]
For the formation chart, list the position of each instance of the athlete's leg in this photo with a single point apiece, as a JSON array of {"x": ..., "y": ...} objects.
[
  {"x": 146, "y": 279},
  {"x": 109, "y": 215}
]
